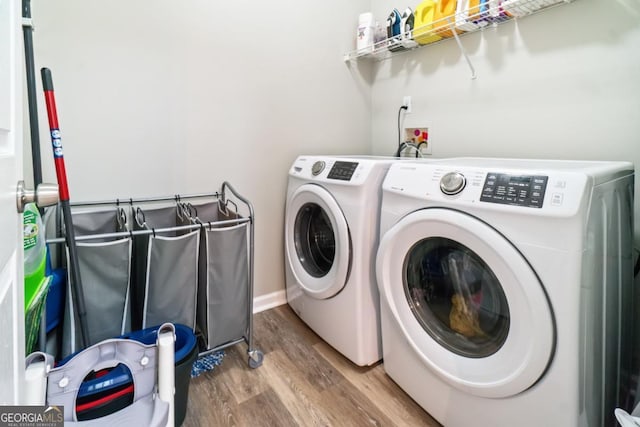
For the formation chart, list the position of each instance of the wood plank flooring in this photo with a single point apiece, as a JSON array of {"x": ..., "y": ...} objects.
[{"x": 302, "y": 382}]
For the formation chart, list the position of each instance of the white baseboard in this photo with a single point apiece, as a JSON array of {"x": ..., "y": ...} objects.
[{"x": 265, "y": 302}]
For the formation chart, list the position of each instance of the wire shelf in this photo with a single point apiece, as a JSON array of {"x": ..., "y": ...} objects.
[{"x": 487, "y": 15}]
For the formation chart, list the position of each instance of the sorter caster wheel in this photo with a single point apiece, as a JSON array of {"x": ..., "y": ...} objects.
[{"x": 255, "y": 359}]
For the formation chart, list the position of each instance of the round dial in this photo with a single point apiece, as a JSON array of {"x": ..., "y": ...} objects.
[
  {"x": 452, "y": 183},
  {"x": 317, "y": 167}
]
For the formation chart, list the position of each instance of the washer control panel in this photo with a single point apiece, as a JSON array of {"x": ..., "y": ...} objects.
[
  {"x": 519, "y": 190},
  {"x": 342, "y": 170}
]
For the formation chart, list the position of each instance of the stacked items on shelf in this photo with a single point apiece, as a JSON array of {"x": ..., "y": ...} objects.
[{"x": 435, "y": 20}]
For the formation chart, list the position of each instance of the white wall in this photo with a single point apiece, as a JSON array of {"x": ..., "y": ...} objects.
[
  {"x": 156, "y": 98},
  {"x": 159, "y": 97},
  {"x": 564, "y": 83}
]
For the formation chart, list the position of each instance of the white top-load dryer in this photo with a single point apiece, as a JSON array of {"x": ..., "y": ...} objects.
[
  {"x": 505, "y": 289},
  {"x": 331, "y": 236}
]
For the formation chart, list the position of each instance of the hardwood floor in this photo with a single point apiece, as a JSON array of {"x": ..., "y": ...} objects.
[{"x": 302, "y": 382}]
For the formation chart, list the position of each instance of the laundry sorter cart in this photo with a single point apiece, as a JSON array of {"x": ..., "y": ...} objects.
[{"x": 190, "y": 262}]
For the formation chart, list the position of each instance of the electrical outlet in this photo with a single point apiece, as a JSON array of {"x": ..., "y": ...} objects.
[
  {"x": 420, "y": 137},
  {"x": 406, "y": 101}
]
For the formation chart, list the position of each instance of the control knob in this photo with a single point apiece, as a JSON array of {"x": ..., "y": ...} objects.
[
  {"x": 317, "y": 167},
  {"x": 452, "y": 183}
]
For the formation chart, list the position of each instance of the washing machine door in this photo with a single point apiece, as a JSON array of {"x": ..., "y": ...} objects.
[
  {"x": 467, "y": 301},
  {"x": 317, "y": 241}
]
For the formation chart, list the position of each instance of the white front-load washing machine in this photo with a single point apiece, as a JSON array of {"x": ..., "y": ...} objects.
[
  {"x": 505, "y": 289},
  {"x": 331, "y": 236}
]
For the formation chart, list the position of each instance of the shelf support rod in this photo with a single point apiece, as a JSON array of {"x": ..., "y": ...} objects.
[{"x": 464, "y": 52}]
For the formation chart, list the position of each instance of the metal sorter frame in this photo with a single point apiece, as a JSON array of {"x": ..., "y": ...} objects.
[{"x": 255, "y": 356}]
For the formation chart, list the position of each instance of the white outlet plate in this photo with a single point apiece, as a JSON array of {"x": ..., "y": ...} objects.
[{"x": 406, "y": 101}]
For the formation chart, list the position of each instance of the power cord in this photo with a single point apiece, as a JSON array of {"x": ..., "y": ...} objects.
[
  {"x": 403, "y": 107},
  {"x": 420, "y": 147},
  {"x": 410, "y": 146}
]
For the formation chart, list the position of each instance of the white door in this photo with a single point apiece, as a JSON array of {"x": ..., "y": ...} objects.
[
  {"x": 467, "y": 302},
  {"x": 317, "y": 241},
  {"x": 11, "y": 274}
]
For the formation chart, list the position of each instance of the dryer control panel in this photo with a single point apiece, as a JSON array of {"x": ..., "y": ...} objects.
[
  {"x": 342, "y": 170},
  {"x": 520, "y": 190}
]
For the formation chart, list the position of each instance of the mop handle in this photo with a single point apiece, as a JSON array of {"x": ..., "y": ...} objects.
[
  {"x": 56, "y": 140},
  {"x": 61, "y": 173}
]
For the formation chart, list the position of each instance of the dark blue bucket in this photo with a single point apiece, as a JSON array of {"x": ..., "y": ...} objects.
[{"x": 185, "y": 339}]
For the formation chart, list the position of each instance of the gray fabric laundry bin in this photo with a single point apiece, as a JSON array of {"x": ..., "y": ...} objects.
[
  {"x": 223, "y": 278},
  {"x": 105, "y": 267},
  {"x": 165, "y": 270}
]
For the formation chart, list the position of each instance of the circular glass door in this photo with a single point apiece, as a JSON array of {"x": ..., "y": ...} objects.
[
  {"x": 456, "y": 297},
  {"x": 314, "y": 239},
  {"x": 467, "y": 302},
  {"x": 317, "y": 241}
]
